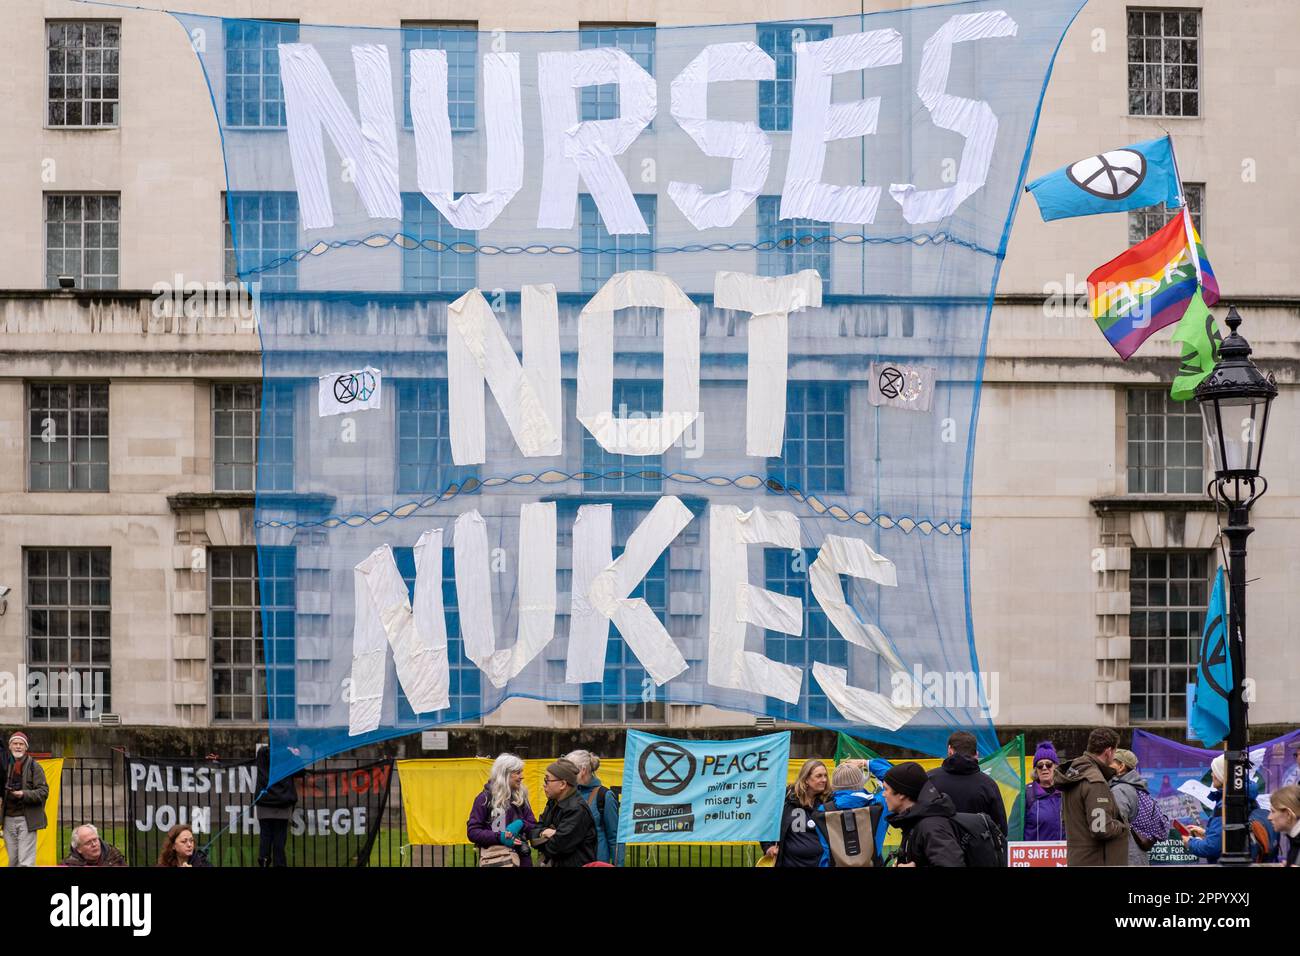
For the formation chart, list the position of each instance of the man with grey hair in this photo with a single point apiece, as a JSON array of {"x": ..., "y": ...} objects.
[
  {"x": 89, "y": 850},
  {"x": 601, "y": 802}
]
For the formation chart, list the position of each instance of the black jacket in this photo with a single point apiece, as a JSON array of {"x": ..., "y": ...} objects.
[
  {"x": 280, "y": 794},
  {"x": 971, "y": 790},
  {"x": 930, "y": 835},
  {"x": 574, "y": 842},
  {"x": 798, "y": 844}
]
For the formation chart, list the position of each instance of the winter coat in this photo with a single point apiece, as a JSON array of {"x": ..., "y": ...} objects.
[
  {"x": 930, "y": 836},
  {"x": 1043, "y": 819},
  {"x": 852, "y": 800},
  {"x": 1094, "y": 833},
  {"x": 35, "y": 792},
  {"x": 108, "y": 856},
  {"x": 574, "y": 842},
  {"x": 484, "y": 828},
  {"x": 1210, "y": 846},
  {"x": 800, "y": 841},
  {"x": 606, "y": 823},
  {"x": 281, "y": 795},
  {"x": 970, "y": 789},
  {"x": 1125, "y": 788}
]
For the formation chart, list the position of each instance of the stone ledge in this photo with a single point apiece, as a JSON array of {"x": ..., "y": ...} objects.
[
  {"x": 1134, "y": 503},
  {"x": 217, "y": 500}
]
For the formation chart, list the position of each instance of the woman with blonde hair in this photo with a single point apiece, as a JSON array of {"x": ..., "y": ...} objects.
[
  {"x": 500, "y": 813},
  {"x": 1285, "y": 817},
  {"x": 802, "y": 818},
  {"x": 603, "y": 804}
]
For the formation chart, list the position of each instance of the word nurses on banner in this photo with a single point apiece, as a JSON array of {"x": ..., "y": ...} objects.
[
  {"x": 1036, "y": 853},
  {"x": 343, "y": 392},
  {"x": 702, "y": 791}
]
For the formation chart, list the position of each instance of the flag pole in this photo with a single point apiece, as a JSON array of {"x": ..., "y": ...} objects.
[{"x": 1188, "y": 229}]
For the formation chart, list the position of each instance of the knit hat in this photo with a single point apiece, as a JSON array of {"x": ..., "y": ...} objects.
[
  {"x": 907, "y": 779},
  {"x": 1128, "y": 758},
  {"x": 564, "y": 770},
  {"x": 1219, "y": 768},
  {"x": 18, "y": 735},
  {"x": 1046, "y": 751},
  {"x": 847, "y": 777}
]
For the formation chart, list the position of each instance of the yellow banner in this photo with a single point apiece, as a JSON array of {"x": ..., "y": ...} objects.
[{"x": 48, "y": 851}]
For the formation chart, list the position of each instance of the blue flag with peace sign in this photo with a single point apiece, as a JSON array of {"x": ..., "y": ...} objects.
[
  {"x": 1144, "y": 174},
  {"x": 1209, "y": 708}
]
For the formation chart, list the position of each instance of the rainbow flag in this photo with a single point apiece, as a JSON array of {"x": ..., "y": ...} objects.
[{"x": 1149, "y": 287}]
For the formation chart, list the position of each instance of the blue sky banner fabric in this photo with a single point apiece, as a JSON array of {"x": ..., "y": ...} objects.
[{"x": 702, "y": 791}]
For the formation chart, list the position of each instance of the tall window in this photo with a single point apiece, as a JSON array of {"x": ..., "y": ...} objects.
[
  {"x": 786, "y": 572},
  {"x": 1165, "y": 447},
  {"x": 427, "y": 270},
  {"x": 254, "y": 94},
  {"x": 460, "y": 40},
  {"x": 276, "y": 434},
  {"x": 799, "y": 243},
  {"x": 267, "y": 224},
  {"x": 604, "y": 255},
  {"x": 67, "y": 436},
  {"x": 776, "y": 97},
  {"x": 69, "y": 611},
  {"x": 252, "y": 679},
  {"x": 236, "y": 414},
  {"x": 1164, "y": 62},
  {"x": 1168, "y": 596},
  {"x": 81, "y": 239},
  {"x": 424, "y": 463},
  {"x": 814, "y": 455},
  {"x": 465, "y": 690},
  {"x": 633, "y": 398},
  {"x": 82, "y": 65},
  {"x": 638, "y": 41},
  {"x": 1142, "y": 223}
]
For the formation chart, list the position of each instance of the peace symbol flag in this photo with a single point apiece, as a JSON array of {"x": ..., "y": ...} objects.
[
  {"x": 345, "y": 392},
  {"x": 1143, "y": 174}
]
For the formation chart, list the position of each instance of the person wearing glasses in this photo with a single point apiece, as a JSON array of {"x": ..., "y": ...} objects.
[
  {"x": 566, "y": 833},
  {"x": 1043, "y": 820}
]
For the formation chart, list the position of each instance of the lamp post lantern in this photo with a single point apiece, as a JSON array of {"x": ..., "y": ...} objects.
[{"x": 1235, "y": 400}]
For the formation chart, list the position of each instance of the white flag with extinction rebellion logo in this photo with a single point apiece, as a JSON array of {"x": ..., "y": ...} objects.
[
  {"x": 901, "y": 386},
  {"x": 345, "y": 392}
]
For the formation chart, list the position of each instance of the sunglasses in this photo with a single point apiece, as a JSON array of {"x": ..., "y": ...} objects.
[{"x": 1044, "y": 765}]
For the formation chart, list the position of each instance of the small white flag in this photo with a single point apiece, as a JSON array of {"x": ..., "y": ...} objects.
[
  {"x": 901, "y": 386},
  {"x": 349, "y": 392}
]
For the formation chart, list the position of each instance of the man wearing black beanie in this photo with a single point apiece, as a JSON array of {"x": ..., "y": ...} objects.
[{"x": 925, "y": 816}]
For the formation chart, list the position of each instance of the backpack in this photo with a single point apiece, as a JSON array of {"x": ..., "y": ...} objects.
[
  {"x": 596, "y": 804},
  {"x": 850, "y": 837},
  {"x": 1263, "y": 836},
  {"x": 1149, "y": 824},
  {"x": 982, "y": 843}
]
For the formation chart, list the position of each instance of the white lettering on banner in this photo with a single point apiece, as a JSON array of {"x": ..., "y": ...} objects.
[
  {"x": 589, "y": 150},
  {"x": 155, "y": 778}
]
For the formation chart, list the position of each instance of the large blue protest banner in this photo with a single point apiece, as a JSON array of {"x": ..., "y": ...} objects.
[
  {"x": 702, "y": 791},
  {"x": 728, "y": 288}
]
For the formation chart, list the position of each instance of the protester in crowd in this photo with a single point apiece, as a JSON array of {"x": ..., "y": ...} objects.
[
  {"x": 1043, "y": 820},
  {"x": 799, "y": 843},
  {"x": 848, "y": 785},
  {"x": 23, "y": 808},
  {"x": 602, "y": 802},
  {"x": 925, "y": 817},
  {"x": 1207, "y": 841},
  {"x": 970, "y": 789},
  {"x": 1128, "y": 788},
  {"x": 566, "y": 833},
  {"x": 1094, "y": 833},
  {"x": 178, "y": 849},
  {"x": 501, "y": 817},
  {"x": 89, "y": 850},
  {"x": 1292, "y": 776},
  {"x": 1285, "y": 817},
  {"x": 274, "y": 807}
]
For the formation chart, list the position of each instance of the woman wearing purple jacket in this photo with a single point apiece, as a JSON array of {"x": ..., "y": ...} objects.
[
  {"x": 501, "y": 812},
  {"x": 1043, "y": 820}
]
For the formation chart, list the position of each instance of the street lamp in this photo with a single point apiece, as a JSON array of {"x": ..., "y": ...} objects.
[{"x": 1235, "y": 400}]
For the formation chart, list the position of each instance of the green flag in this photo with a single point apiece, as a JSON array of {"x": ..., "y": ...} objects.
[{"x": 1199, "y": 335}]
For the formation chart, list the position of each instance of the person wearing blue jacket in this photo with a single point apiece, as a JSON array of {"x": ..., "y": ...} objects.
[
  {"x": 1207, "y": 842},
  {"x": 850, "y": 793},
  {"x": 603, "y": 805}
]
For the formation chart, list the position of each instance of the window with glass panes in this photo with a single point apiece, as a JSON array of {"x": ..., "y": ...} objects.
[
  {"x": 82, "y": 72},
  {"x": 459, "y": 39},
  {"x": 69, "y": 613},
  {"x": 267, "y": 233},
  {"x": 82, "y": 238},
  {"x": 252, "y": 589},
  {"x": 276, "y": 436},
  {"x": 424, "y": 462},
  {"x": 1169, "y": 592},
  {"x": 1164, "y": 62},
  {"x": 254, "y": 94},
  {"x": 1142, "y": 223},
  {"x": 601, "y": 102},
  {"x": 429, "y": 270},
  {"x": 633, "y": 398},
  {"x": 814, "y": 454},
  {"x": 465, "y": 689},
  {"x": 67, "y": 436},
  {"x": 236, "y": 419},
  {"x": 797, "y": 243},
  {"x": 776, "y": 97},
  {"x": 1166, "y": 451},
  {"x": 603, "y": 255},
  {"x": 786, "y": 572}
]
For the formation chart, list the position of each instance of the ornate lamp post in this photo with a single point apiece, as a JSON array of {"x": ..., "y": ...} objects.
[{"x": 1235, "y": 401}]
